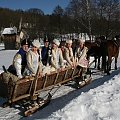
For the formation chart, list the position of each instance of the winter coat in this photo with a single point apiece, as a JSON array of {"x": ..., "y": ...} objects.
[
  {"x": 33, "y": 61},
  {"x": 44, "y": 55},
  {"x": 68, "y": 52},
  {"x": 20, "y": 62},
  {"x": 57, "y": 58},
  {"x": 81, "y": 57}
]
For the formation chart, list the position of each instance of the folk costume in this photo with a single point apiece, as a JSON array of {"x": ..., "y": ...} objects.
[
  {"x": 33, "y": 59},
  {"x": 81, "y": 54},
  {"x": 56, "y": 57},
  {"x": 44, "y": 52},
  {"x": 19, "y": 60},
  {"x": 68, "y": 52}
]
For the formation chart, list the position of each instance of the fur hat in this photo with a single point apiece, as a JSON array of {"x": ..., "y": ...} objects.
[
  {"x": 69, "y": 41},
  {"x": 25, "y": 42},
  {"x": 81, "y": 40},
  {"x": 46, "y": 40},
  {"x": 36, "y": 43},
  {"x": 56, "y": 41}
]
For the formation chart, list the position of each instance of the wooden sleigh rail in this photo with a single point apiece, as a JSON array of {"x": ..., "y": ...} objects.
[{"x": 30, "y": 87}]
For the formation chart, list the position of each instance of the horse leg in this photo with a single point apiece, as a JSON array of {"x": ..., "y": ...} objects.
[
  {"x": 104, "y": 63},
  {"x": 115, "y": 63},
  {"x": 98, "y": 63},
  {"x": 95, "y": 61},
  {"x": 109, "y": 64}
]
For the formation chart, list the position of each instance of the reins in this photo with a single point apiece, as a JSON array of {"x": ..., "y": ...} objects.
[{"x": 53, "y": 92}]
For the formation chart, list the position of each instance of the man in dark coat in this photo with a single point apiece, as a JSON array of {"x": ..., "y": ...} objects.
[
  {"x": 44, "y": 52},
  {"x": 19, "y": 60}
]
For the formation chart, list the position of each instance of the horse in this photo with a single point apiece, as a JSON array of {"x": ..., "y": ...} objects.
[
  {"x": 109, "y": 49},
  {"x": 112, "y": 52},
  {"x": 94, "y": 50}
]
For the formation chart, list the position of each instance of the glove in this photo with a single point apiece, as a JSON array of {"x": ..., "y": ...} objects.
[
  {"x": 20, "y": 76},
  {"x": 33, "y": 75}
]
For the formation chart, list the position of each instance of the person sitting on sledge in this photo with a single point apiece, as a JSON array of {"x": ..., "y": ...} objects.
[
  {"x": 81, "y": 54},
  {"x": 68, "y": 52},
  {"x": 81, "y": 58},
  {"x": 62, "y": 46},
  {"x": 57, "y": 62},
  {"x": 34, "y": 59},
  {"x": 44, "y": 52},
  {"x": 19, "y": 60}
]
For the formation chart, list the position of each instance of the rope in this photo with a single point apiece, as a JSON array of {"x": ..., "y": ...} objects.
[
  {"x": 53, "y": 92},
  {"x": 91, "y": 63},
  {"x": 56, "y": 90}
]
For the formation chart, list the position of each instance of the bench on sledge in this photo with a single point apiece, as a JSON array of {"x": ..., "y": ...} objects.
[{"x": 29, "y": 88}]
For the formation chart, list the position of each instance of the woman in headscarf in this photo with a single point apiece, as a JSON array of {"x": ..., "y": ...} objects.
[
  {"x": 68, "y": 52},
  {"x": 57, "y": 62},
  {"x": 81, "y": 54},
  {"x": 82, "y": 62},
  {"x": 34, "y": 59}
]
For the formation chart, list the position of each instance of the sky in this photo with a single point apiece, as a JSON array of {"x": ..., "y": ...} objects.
[
  {"x": 47, "y": 6},
  {"x": 100, "y": 100}
]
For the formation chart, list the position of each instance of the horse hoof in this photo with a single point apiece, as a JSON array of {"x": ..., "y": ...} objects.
[
  {"x": 98, "y": 68},
  {"x": 105, "y": 71},
  {"x": 108, "y": 73}
]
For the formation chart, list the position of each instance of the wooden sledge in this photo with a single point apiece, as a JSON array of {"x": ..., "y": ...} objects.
[{"x": 29, "y": 88}]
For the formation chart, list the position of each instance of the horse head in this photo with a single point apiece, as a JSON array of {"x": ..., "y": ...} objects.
[{"x": 117, "y": 39}]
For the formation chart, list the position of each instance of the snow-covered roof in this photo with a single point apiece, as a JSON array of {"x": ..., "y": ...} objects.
[{"x": 9, "y": 31}]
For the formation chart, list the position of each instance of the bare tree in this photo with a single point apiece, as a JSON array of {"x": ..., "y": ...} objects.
[
  {"x": 109, "y": 9},
  {"x": 81, "y": 10},
  {"x": 58, "y": 12}
]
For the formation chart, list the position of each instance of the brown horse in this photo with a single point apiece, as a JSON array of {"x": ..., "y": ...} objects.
[
  {"x": 94, "y": 50},
  {"x": 112, "y": 52}
]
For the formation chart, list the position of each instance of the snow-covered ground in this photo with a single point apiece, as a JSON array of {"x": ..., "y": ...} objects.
[{"x": 99, "y": 100}]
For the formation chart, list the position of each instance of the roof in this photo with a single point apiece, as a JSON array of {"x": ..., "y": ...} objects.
[{"x": 9, "y": 31}]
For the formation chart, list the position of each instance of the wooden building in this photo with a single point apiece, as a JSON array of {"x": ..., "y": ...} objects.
[{"x": 9, "y": 38}]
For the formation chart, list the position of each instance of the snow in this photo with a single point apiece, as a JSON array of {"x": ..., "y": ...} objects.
[{"x": 99, "y": 100}]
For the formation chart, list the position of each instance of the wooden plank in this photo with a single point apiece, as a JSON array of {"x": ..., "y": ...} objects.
[
  {"x": 56, "y": 78},
  {"x": 19, "y": 98},
  {"x": 76, "y": 72},
  {"x": 69, "y": 73},
  {"x": 14, "y": 92},
  {"x": 21, "y": 90},
  {"x": 39, "y": 105},
  {"x": 40, "y": 83},
  {"x": 34, "y": 85},
  {"x": 50, "y": 79},
  {"x": 45, "y": 81},
  {"x": 60, "y": 76}
]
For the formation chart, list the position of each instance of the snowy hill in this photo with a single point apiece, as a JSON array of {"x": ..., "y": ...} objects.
[{"x": 98, "y": 101}]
